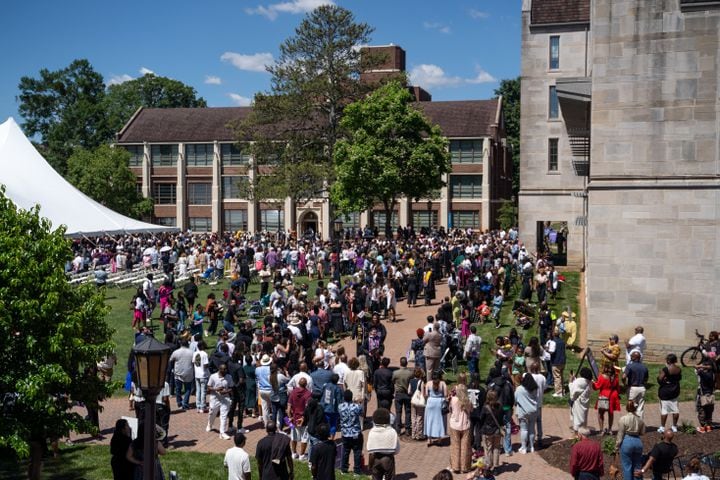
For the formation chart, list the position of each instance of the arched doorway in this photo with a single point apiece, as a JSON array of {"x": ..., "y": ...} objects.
[{"x": 309, "y": 224}]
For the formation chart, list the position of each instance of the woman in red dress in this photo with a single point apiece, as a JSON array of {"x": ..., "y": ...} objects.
[{"x": 608, "y": 397}]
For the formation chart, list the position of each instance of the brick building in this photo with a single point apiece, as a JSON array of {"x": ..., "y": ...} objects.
[{"x": 187, "y": 161}]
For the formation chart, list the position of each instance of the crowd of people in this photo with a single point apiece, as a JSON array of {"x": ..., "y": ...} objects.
[{"x": 274, "y": 359}]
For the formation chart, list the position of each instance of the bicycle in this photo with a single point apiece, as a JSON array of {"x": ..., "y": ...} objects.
[{"x": 694, "y": 355}]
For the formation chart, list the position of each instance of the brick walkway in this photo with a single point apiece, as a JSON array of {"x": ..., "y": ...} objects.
[{"x": 416, "y": 460}]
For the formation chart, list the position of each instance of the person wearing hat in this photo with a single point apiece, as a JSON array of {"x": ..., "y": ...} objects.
[
  {"x": 262, "y": 376},
  {"x": 382, "y": 445},
  {"x": 610, "y": 352},
  {"x": 569, "y": 328}
]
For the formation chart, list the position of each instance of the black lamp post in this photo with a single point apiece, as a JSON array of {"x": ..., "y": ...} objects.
[
  {"x": 338, "y": 229},
  {"x": 429, "y": 214},
  {"x": 151, "y": 361}
]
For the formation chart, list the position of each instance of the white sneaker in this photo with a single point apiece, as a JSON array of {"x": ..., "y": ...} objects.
[
  {"x": 243, "y": 431},
  {"x": 208, "y": 428},
  {"x": 303, "y": 457},
  {"x": 661, "y": 430},
  {"x": 225, "y": 436},
  {"x": 674, "y": 429},
  {"x": 557, "y": 395},
  {"x": 295, "y": 455},
  {"x": 522, "y": 451}
]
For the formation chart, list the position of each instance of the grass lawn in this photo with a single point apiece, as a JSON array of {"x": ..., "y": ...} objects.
[{"x": 92, "y": 462}]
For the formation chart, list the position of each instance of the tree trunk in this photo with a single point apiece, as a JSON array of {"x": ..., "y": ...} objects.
[
  {"x": 388, "y": 218},
  {"x": 36, "y": 459}
]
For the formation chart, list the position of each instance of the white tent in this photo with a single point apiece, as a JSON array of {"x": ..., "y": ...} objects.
[{"x": 29, "y": 180}]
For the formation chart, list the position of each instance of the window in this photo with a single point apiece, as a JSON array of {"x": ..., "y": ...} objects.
[
  {"x": 272, "y": 220},
  {"x": 166, "y": 221},
  {"x": 425, "y": 218},
  {"x": 466, "y": 151},
  {"x": 351, "y": 220},
  {"x": 466, "y": 186},
  {"x": 200, "y": 224},
  {"x": 232, "y": 155},
  {"x": 465, "y": 219},
  {"x": 231, "y": 186},
  {"x": 165, "y": 193},
  {"x": 553, "y": 109},
  {"x": 137, "y": 152},
  {"x": 199, "y": 193},
  {"x": 554, "y": 52},
  {"x": 164, "y": 155},
  {"x": 553, "y": 155},
  {"x": 199, "y": 155},
  {"x": 234, "y": 220},
  {"x": 379, "y": 220}
]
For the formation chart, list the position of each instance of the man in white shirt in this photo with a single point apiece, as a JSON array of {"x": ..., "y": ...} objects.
[
  {"x": 341, "y": 368},
  {"x": 237, "y": 460},
  {"x": 219, "y": 388},
  {"x": 636, "y": 342},
  {"x": 542, "y": 383},
  {"x": 295, "y": 380},
  {"x": 472, "y": 350}
]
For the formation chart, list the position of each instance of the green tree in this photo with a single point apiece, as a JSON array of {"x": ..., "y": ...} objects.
[
  {"x": 295, "y": 126},
  {"x": 103, "y": 175},
  {"x": 510, "y": 91},
  {"x": 507, "y": 214},
  {"x": 64, "y": 108},
  {"x": 53, "y": 334},
  {"x": 392, "y": 151},
  {"x": 122, "y": 100}
]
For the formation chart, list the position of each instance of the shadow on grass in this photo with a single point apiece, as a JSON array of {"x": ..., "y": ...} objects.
[{"x": 68, "y": 466}]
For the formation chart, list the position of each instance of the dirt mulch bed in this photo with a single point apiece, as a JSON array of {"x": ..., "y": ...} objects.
[{"x": 558, "y": 454}]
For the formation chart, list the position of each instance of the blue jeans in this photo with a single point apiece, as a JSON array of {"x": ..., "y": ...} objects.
[
  {"x": 507, "y": 441},
  {"x": 354, "y": 445},
  {"x": 472, "y": 363},
  {"x": 183, "y": 401},
  {"x": 527, "y": 431},
  {"x": 200, "y": 391},
  {"x": 631, "y": 451}
]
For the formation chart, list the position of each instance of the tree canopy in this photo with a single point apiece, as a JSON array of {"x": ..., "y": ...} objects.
[
  {"x": 391, "y": 151},
  {"x": 70, "y": 108},
  {"x": 52, "y": 332},
  {"x": 510, "y": 91},
  {"x": 294, "y": 127},
  {"x": 103, "y": 174},
  {"x": 64, "y": 108}
]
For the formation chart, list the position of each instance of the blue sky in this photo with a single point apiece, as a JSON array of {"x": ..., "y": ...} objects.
[{"x": 457, "y": 50}]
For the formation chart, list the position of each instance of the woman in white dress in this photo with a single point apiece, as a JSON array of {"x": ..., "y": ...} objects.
[{"x": 580, "y": 389}]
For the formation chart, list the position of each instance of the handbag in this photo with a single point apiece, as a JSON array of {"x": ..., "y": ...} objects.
[
  {"x": 603, "y": 403},
  {"x": 418, "y": 399},
  {"x": 445, "y": 408}
]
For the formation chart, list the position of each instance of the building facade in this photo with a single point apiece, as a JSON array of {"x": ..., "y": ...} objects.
[
  {"x": 638, "y": 154},
  {"x": 186, "y": 159}
]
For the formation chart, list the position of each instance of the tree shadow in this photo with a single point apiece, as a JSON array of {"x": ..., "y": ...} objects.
[{"x": 405, "y": 476}]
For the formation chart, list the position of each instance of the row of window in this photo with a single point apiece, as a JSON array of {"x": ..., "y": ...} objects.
[
  {"x": 202, "y": 154},
  {"x": 461, "y": 186},
  {"x": 196, "y": 155},
  {"x": 274, "y": 220}
]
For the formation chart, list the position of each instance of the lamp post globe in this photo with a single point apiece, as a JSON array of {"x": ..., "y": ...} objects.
[{"x": 151, "y": 361}]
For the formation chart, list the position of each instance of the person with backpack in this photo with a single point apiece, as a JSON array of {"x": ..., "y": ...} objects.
[
  {"x": 502, "y": 385},
  {"x": 330, "y": 400}
]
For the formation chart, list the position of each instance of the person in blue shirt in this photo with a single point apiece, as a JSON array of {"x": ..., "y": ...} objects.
[
  {"x": 351, "y": 430},
  {"x": 330, "y": 400}
]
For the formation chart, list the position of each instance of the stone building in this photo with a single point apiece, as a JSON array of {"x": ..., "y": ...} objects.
[
  {"x": 187, "y": 161},
  {"x": 620, "y": 139}
]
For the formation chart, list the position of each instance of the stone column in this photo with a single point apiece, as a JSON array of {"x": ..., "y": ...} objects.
[
  {"x": 289, "y": 206},
  {"x": 325, "y": 221},
  {"x": 252, "y": 213},
  {"x": 180, "y": 191},
  {"x": 146, "y": 185},
  {"x": 364, "y": 219},
  {"x": 215, "y": 189},
  {"x": 444, "y": 203},
  {"x": 485, "y": 220},
  {"x": 404, "y": 216}
]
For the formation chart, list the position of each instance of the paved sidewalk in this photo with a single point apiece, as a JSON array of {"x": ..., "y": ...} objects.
[{"x": 415, "y": 460}]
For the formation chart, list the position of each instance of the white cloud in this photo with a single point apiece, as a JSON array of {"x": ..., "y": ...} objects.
[
  {"x": 428, "y": 75},
  {"x": 118, "y": 79},
  {"x": 478, "y": 14},
  {"x": 437, "y": 26},
  {"x": 239, "y": 100},
  {"x": 293, "y": 6},
  {"x": 212, "y": 80},
  {"x": 146, "y": 71},
  {"x": 250, "y": 63}
]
